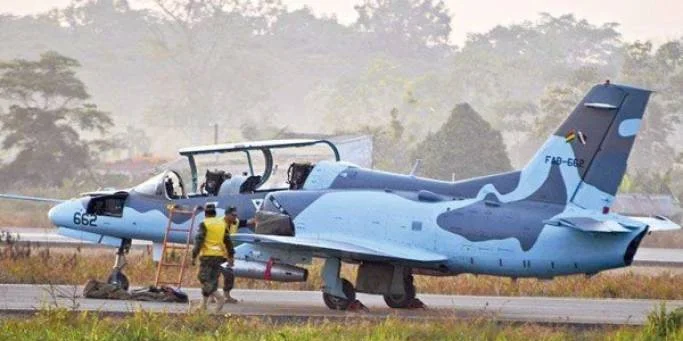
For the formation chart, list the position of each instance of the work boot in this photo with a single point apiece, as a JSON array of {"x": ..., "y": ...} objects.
[
  {"x": 201, "y": 306},
  {"x": 228, "y": 298},
  {"x": 220, "y": 301}
]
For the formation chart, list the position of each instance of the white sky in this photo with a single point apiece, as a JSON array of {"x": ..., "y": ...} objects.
[{"x": 658, "y": 20}]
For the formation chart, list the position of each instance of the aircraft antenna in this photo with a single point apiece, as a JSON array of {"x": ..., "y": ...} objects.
[{"x": 416, "y": 166}]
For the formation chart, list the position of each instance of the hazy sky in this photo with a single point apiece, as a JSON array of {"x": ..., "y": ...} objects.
[{"x": 655, "y": 19}]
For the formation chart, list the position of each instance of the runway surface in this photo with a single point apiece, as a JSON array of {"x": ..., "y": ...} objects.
[
  {"x": 18, "y": 298},
  {"x": 644, "y": 256}
]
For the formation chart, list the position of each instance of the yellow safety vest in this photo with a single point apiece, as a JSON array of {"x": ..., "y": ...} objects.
[
  {"x": 213, "y": 242},
  {"x": 233, "y": 227}
]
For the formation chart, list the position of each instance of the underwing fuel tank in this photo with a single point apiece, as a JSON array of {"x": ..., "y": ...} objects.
[{"x": 268, "y": 271}]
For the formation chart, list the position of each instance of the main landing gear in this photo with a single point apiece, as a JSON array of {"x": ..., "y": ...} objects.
[
  {"x": 407, "y": 300},
  {"x": 394, "y": 282},
  {"x": 117, "y": 277},
  {"x": 338, "y": 293},
  {"x": 339, "y": 303}
]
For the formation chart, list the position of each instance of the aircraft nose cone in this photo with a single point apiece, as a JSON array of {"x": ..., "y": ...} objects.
[
  {"x": 52, "y": 214},
  {"x": 57, "y": 215}
]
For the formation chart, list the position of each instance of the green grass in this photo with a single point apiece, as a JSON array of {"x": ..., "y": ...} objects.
[
  {"x": 36, "y": 265},
  {"x": 61, "y": 324},
  {"x": 64, "y": 325}
]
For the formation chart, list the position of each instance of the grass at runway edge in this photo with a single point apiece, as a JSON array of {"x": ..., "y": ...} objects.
[
  {"x": 36, "y": 265},
  {"x": 61, "y": 324}
]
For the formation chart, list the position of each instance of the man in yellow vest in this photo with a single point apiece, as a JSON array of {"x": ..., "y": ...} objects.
[
  {"x": 213, "y": 246},
  {"x": 231, "y": 219}
]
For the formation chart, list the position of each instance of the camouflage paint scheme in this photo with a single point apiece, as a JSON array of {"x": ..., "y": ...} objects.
[{"x": 550, "y": 218}]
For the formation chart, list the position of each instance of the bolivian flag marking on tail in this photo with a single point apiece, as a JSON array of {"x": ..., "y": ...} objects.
[{"x": 572, "y": 135}]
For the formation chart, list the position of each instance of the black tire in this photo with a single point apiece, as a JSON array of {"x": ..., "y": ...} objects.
[
  {"x": 338, "y": 303},
  {"x": 402, "y": 301},
  {"x": 118, "y": 278}
]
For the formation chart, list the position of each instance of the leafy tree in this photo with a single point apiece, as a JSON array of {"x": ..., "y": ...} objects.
[
  {"x": 464, "y": 147},
  {"x": 397, "y": 24},
  {"x": 660, "y": 70},
  {"x": 516, "y": 118},
  {"x": 364, "y": 98},
  {"x": 390, "y": 144},
  {"x": 519, "y": 61},
  {"x": 206, "y": 48},
  {"x": 48, "y": 114},
  {"x": 556, "y": 104}
]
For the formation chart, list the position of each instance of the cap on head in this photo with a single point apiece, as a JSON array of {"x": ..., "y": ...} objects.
[
  {"x": 210, "y": 208},
  {"x": 231, "y": 210}
]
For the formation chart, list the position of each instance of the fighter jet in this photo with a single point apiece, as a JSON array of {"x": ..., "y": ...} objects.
[{"x": 551, "y": 218}]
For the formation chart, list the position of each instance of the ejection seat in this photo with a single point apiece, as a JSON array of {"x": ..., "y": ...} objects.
[
  {"x": 213, "y": 182},
  {"x": 298, "y": 173},
  {"x": 239, "y": 184}
]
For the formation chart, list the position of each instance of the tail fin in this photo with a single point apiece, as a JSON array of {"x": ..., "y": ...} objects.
[{"x": 585, "y": 160}]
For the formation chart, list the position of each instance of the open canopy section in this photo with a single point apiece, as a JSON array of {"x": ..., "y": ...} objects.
[
  {"x": 255, "y": 165},
  {"x": 257, "y": 145}
]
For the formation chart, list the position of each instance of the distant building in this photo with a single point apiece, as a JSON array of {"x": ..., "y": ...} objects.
[{"x": 648, "y": 205}]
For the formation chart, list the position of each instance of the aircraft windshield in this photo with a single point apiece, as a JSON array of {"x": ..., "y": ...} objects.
[
  {"x": 151, "y": 186},
  {"x": 168, "y": 184}
]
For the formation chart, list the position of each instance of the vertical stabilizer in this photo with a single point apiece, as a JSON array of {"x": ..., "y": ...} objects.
[{"x": 585, "y": 159}]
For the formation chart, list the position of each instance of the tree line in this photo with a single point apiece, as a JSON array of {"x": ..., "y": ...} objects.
[{"x": 170, "y": 72}]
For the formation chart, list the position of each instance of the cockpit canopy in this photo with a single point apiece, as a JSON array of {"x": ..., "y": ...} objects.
[
  {"x": 244, "y": 168},
  {"x": 249, "y": 167},
  {"x": 167, "y": 185}
]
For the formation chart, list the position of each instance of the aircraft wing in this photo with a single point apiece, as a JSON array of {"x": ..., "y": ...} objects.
[
  {"x": 28, "y": 198},
  {"x": 335, "y": 248}
]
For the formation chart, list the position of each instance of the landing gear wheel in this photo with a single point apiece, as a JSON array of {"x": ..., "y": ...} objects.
[
  {"x": 338, "y": 303},
  {"x": 405, "y": 300},
  {"x": 118, "y": 278}
]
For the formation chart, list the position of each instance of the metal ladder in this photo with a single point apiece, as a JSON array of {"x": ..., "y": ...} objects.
[{"x": 166, "y": 261}]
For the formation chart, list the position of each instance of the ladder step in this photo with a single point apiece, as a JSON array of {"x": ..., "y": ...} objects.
[
  {"x": 179, "y": 230},
  {"x": 184, "y": 247}
]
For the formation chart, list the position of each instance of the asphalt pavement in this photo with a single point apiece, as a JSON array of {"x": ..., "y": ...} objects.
[{"x": 22, "y": 298}]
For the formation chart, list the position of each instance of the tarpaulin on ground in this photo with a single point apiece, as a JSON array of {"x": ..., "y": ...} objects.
[{"x": 96, "y": 289}]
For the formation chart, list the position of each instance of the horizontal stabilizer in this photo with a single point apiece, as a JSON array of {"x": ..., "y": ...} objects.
[
  {"x": 28, "y": 198},
  {"x": 332, "y": 248},
  {"x": 657, "y": 223},
  {"x": 588, "y": 224}
]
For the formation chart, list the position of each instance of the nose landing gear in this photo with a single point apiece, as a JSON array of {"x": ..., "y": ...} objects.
[{"x": 117, "y": 277}]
